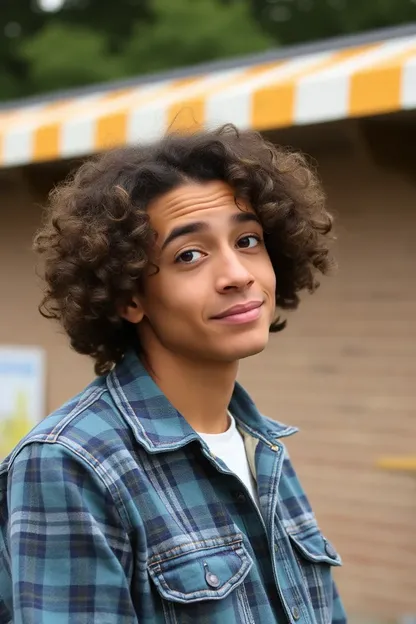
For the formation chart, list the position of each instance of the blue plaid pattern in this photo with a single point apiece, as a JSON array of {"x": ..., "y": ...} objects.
[{"x": 114, "y": 511}]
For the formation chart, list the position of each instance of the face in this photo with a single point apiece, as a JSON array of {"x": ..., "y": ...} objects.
[{"x": 213, "y": 296}]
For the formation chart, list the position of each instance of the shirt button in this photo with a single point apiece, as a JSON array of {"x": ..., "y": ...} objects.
[
  {"x": 240, "y": 497},
  {"x": 212, "y": 579},
  {"x": 276, "y": 547},
  {"x": 330, "y": 550},
  {"x": 295, "y": 613}
]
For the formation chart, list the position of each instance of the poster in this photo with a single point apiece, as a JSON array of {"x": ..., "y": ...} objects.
[{"x": 22, "y": 393}]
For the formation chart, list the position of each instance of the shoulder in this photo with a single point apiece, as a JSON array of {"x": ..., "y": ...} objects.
[
  {"x": 89, "y": 428},
  {"x": 84, "y": 443}
]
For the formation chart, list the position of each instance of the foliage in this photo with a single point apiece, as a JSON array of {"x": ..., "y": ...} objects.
[
  {"x": 25, "y": 28},
  {"x": 192, "y": 31},
  {"x": 80, "y": 56},
  {"x": 295, "y": 21},
  {"x": 78, "y": 46},
  {"x": 90, "y": 41}
]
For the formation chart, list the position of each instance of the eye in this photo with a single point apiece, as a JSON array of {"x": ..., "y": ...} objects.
[
  {"x": 246, "y": 242},
  {"x": 188, "y": 257}
]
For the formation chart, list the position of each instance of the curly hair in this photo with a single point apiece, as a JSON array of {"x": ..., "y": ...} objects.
[{"x": 96, "y": 239}]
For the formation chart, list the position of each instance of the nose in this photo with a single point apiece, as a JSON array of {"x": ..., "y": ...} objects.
[{"x": 233, "y": 274}]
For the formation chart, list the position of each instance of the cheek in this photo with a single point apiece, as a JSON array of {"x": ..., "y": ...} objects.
[
  {"x": 269, "y": 281},
  {"x": 171, "y": 295},
  {"x": 273, "y": 281}
]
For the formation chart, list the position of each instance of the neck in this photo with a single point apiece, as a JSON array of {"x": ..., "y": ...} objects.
[{"x": 200, "y": 391}]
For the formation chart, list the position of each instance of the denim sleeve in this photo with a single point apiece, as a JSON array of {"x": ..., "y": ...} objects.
[{"x": 70, "y": 557}]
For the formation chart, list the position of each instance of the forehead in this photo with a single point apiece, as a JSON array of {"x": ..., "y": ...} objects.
[{"x": 193, "y": 201}]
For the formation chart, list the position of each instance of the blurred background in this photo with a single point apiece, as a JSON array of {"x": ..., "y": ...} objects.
[{"x": 333, "y": 78}]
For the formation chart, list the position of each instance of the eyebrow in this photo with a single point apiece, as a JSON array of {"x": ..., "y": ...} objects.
[{"x": 202, "y": 226}]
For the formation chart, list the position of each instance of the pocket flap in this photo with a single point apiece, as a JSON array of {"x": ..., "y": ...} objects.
[
  {"x": 313, "y": 546},
  {"x": 209, "y": 571}
]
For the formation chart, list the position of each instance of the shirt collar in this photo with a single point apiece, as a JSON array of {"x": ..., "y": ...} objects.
[{"x": 158, "y": 426}]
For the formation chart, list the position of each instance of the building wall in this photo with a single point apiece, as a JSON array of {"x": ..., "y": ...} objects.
[
  {"x": 20, "y": 322},
  {"x": 343, "y": 371}
]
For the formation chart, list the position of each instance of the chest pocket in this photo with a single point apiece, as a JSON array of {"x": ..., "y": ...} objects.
[
  {"x": 316, "y": 557},
  {"x": 203, "y": 581}
]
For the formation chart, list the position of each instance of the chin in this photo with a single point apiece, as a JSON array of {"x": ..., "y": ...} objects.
[
  {"x": 246, "y": 348},
  {"x": 253, "y": 351}
]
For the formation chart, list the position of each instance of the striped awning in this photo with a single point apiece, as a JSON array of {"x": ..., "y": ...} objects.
[{"x": 306, "y": 89}]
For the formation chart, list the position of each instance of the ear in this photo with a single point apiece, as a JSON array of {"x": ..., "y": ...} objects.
[{"x": 133, "y": 312}]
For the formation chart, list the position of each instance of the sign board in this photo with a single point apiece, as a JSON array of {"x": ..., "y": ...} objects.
[{"x": 22, "y": 393}]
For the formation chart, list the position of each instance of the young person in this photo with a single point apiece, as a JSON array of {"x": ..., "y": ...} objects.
[{"x": 160, "y": 493}]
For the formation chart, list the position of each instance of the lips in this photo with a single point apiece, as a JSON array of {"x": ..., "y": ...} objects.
[{"x": 239, "y": 309}]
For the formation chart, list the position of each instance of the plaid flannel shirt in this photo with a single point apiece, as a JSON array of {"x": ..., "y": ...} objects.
[{"x": 114, "y": 511}]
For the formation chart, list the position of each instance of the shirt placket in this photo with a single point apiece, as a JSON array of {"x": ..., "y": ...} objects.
[{"x": 269, "y": 460}]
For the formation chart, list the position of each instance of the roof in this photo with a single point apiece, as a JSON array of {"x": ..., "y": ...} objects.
[{"x": 355, "y": 76}]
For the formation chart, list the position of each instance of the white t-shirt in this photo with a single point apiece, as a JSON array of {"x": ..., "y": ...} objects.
[{"x": 229, "y": 446}]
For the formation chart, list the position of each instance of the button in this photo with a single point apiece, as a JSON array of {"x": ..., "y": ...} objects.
[
  {"x": 240, "y": 497},
  {"x": 330, "y": 550},
  {"x": 212, "y": 579},
  {"x": 276, "y": 547},
  {"x": 274, "y": 448},
  {"x": 296, "y": 613}
]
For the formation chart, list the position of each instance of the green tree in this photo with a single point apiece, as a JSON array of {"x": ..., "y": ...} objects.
[
  {"x": 62, "y": 56},
  {"x": 24, "y": 26},
  {"x": 90, "y": 41},
  {"x": 17, "y": 20},
  {"x": 295, "y": 21},
  {"x": 65, "y": 53},
  {"x": 192, "y": 31}
]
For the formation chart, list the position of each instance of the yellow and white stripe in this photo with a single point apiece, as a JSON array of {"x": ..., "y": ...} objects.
[{"x": 351, "y": 82}]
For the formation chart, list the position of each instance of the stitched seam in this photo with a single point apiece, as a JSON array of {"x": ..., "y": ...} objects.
[
  {"x": 168, "y": 612},
  {"x": 123, "y": 404},
  {"x": 160, "y": 482},
  {"x": 158, "y": 558},
  {"x": 201, "y": 592},
  {"x": 109, "y": 484},
  {"x": 50, "y": 437},
  {"x": 172, "y": 609},
  {"x": 82, "y": 405},
  {"x": 316, "y": 583},
  {"x": 242, "y": 594},
  {"x": 286, "y": 563}
]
